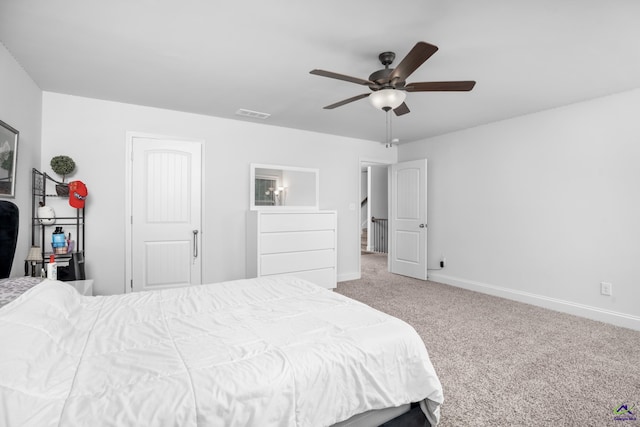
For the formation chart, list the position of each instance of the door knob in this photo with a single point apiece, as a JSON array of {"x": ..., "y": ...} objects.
[{"x": 422, "y": 225}]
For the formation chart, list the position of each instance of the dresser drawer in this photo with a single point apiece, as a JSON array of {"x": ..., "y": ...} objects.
[
  {"x": 271, "y": 223},
  {"x": 325, "y": 277},
  {"x": 292, "y": 262},
  {"x": 297, "y": 241}
]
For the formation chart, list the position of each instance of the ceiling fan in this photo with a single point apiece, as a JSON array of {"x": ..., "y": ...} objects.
[{"x": 389, "y": 85}]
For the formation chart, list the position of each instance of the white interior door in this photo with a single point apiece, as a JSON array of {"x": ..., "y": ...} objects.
[
  {"x": 165, "y": 213},
  {"x": 408, "y": 219}
]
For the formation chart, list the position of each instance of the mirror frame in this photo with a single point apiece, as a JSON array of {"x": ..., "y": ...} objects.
[{"x": 252, "y": 187}]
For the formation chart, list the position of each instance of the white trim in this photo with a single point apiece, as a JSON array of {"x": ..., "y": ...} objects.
[
  {"x": 564, "y": 306},
  {"x": 130, "y": 135}
]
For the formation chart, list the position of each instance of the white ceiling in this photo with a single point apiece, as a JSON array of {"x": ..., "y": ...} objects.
[{"x": 211, "y": 57}]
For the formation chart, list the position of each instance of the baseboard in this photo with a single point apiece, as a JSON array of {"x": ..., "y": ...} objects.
[{"x": 564, "y": 306}]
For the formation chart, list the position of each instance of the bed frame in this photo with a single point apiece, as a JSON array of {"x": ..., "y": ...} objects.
[{"x": 409, "y": 415}]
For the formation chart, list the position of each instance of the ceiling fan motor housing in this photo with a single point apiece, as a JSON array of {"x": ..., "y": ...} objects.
[
  {"x": 381, "y": 80},
  {"x": 381, "y": 77}
]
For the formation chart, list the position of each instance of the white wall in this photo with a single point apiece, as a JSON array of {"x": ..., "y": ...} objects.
[
  {"x": 378, "y": 206},
  {"x": 364, "y": 188},
  {"x": 21, "y": 108},
  {"x": 93, "y": 133},
  {"x": 542, "y": 208},
  {"x": 378, "y": 200}
]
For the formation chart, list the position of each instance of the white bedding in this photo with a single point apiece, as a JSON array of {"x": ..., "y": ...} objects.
[{"x": 258, "y": 352}]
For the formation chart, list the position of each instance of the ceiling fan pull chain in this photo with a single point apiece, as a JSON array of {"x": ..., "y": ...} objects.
[{"x": 388, "y": 113}]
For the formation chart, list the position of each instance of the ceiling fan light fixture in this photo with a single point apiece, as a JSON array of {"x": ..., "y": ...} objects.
[{"x": 387, "y": 99}]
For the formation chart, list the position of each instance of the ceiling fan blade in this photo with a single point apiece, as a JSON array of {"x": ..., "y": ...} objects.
[
  {"x": 346, "y": 101},
  {"x": 415, "y": 58},
  {"x": 402, "y": 109},
  {"x": 333, "y": 75},
  {"x": 440, "y": 86}
]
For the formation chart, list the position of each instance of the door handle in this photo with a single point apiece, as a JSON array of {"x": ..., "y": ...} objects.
[
  {"x": 422, "y": 225},
  {"x": 195, "y": 244}
]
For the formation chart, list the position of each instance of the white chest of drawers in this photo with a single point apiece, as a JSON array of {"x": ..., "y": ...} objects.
[{"x": 297, "y": 243}]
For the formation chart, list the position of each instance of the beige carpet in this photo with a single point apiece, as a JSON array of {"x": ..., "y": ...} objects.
[{"x": 504, "y": 363}]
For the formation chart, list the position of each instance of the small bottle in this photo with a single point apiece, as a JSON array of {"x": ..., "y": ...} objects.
[
  {"x": 58, "y": 241},
  {"x": 52, "y": 268}
]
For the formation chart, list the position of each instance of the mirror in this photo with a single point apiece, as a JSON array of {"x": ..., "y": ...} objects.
[{"x": 283, "y": 187}]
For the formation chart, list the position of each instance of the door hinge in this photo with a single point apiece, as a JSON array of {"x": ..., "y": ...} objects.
[{"x": 131, "y": 285}]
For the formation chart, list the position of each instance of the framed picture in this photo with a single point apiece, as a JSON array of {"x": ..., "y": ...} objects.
[{"x": 8, "y": 159}]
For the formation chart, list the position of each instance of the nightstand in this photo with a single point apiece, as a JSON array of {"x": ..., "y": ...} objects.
[{"x": 84, "y": 287}]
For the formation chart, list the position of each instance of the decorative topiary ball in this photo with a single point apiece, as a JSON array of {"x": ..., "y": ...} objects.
[{"x": 63, "y": 165}]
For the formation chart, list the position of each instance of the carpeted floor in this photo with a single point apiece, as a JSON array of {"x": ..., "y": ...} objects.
[{"x": 505, "y": 363}]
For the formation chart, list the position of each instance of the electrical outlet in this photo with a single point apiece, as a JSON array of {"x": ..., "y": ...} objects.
[
  {"x": 443, "y": 262},
  {"x": 606, "y": 288}
]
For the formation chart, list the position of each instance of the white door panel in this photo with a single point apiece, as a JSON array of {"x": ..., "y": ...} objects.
[
  {"x": 167, "y": 274},
  {"x": 408, "y": 236},
  {"x": 165, "y": 207},
  {"x": 408, "y": 246}
]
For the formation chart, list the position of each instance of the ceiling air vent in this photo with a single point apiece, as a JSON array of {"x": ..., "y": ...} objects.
[{"x": 252, "y": 114}]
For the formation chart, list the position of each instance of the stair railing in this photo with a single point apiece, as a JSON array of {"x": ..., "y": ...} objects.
[{"x": 379, "y": 235}]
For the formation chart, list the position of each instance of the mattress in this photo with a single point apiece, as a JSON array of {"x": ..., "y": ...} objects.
[{"x": 257, "y": 352}]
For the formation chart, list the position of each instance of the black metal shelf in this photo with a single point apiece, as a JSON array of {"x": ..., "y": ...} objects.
[{"x": 39, "y": 181}]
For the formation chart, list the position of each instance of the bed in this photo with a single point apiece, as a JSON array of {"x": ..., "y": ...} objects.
[
  {"x": 12, "y": 288},
  {"x": 256, "y": 352}
]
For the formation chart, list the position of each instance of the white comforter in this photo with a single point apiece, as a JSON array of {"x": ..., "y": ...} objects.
[{"x": 259, "y": 352}]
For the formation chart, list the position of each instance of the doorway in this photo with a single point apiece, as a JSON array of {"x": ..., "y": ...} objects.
[
  {"x": 374, "y": 207},
  {"x": 404, "y": 186}
]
